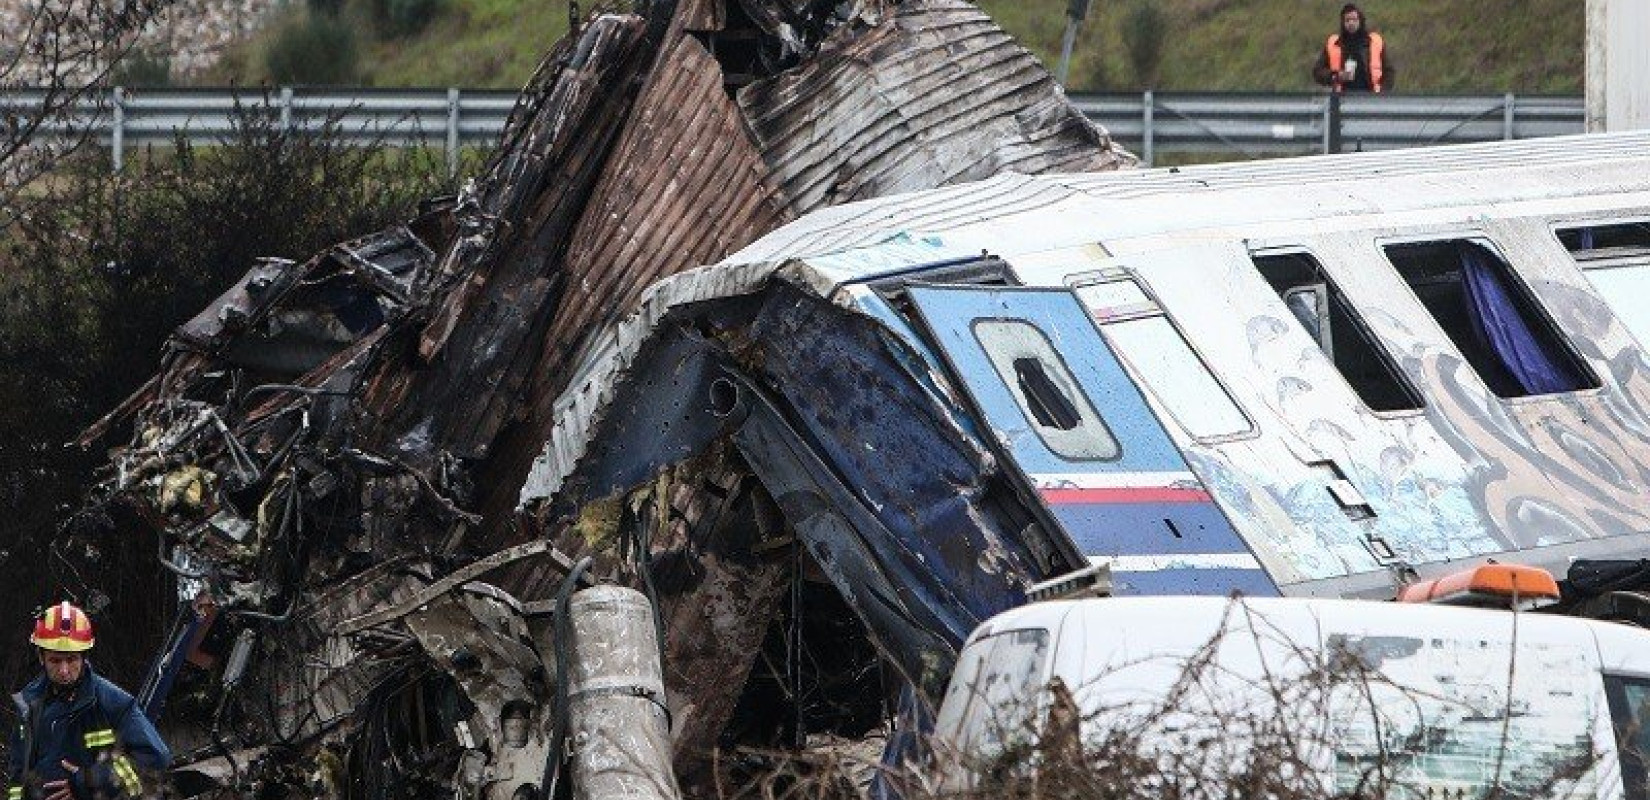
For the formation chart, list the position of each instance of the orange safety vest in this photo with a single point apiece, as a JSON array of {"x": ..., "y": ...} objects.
[{"x": 1333, "y": 48}]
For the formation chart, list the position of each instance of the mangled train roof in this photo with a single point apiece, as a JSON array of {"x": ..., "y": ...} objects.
[{"x": 1018, "y": 214}]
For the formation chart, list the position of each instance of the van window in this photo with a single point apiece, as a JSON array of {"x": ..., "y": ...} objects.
[
  {"x": 1047, "y": 393},
  {"x": 1320, "y": 307},
  {"x": 1141, "y": 333},
  {"x": 1616, "y": 260},
  {"x": 995, "y": 693},
  {"x": 1630, "y": 712},
  {"x": 1491, "y": 317}
]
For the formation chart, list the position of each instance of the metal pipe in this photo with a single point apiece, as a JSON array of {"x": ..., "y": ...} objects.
[
  {"x": 452, "y": 133},
  {"x": 1066, "y": 43},
  {"x": 117, "y": 134},
  {"x": 616, "y": 699},
  {"x": 1147, "y": 148}
]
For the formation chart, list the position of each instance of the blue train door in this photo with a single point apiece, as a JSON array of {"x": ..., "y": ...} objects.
[{"x": 1045, "y": 383}]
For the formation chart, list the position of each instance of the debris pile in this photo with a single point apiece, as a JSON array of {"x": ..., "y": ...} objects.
[{"x": 333, "y": 455}]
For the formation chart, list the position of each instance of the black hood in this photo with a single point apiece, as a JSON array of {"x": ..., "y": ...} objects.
[{"x": 1363, "y": 19}]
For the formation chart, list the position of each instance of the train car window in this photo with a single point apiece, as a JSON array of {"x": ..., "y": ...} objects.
[
  {"x": 1616, "y": 260},
  {"x": 1629, "y": 700},
  {"x": 1141, "y": 334},
  {"x": 1046, "y": 391},
  {"x": 1491, "y": 317},
  {"x": 1320, "y": 307},
  {"x": 1592, "y": 242}
]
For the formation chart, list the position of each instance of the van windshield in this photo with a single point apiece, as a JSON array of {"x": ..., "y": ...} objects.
[
  {"x": 990, "y": 707},
  {"x": 1630, "y": 711}
]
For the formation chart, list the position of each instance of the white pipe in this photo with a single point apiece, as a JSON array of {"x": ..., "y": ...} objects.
[{"x": 619, "y": 729}]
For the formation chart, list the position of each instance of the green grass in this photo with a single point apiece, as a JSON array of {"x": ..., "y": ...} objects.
[
  {"x": 1270, "y": 45},
  {"x": 1526, "y": 46},
  {"x": 472, "y": 43}
]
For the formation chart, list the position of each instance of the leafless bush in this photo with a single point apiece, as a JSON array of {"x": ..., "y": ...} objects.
[
  {"x": 50, "y": 75},
  {"x": 1302, "y": 723}
]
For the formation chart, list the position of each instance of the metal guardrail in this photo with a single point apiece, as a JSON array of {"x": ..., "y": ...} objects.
[
  {"x": 449, "y": 119},
  {"x": 1241, "y": 125},
  {"x": 1259, "y": 125}
]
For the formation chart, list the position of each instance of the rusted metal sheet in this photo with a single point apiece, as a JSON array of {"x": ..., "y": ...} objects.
[
  {"x": 684, "y": 188},
  {"x": 900, "y": 107}
]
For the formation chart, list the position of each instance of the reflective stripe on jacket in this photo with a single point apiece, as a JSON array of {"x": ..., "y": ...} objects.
[
  {"x": 1332, "y": 49},
  {"x": 101, "y": 730}
]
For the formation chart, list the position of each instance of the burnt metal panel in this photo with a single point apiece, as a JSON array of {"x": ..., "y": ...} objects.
[
  {"x": 668, "y": 417},
  {"x": 482, "y": 340},
  {"x": 911, "y": 517}
]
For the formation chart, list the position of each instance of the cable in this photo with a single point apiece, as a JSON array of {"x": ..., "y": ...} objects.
[
  {"x": 643, "y": 541},
  {"x": 160, "y": 554},
  {"x": 564, "y": 662}
]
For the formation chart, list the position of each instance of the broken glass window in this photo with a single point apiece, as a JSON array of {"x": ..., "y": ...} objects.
[
  {"x": 1589, "y": 242},
  {"x": 1491, "y": 317},
  {"x": 1322, "y": 309},
  {"x": 1616, "y": 261},
  {"x": 1045, "y": 390}
]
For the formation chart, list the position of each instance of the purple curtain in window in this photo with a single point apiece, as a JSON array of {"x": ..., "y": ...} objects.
[{"x": 1497, "y": 321}]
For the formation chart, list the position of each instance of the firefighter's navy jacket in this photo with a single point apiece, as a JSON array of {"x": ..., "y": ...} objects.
[{"x": 97, "y": 727}]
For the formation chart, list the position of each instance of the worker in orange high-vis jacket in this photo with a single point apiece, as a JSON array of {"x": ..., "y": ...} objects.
[
  {"x": 79, "y": 737},
  {"x": 1356, "y": 58}
]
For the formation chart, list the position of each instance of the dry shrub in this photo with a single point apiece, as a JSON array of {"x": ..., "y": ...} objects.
[{"x": 1286, "y": 734}]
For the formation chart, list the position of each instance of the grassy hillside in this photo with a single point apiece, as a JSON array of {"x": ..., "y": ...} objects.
[{"x": 1438, "y": 45}]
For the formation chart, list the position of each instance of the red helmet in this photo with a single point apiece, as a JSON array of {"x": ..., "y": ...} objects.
[{"x": 64, "y": 628}]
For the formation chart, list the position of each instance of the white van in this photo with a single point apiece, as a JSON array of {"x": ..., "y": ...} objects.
[{"x": 1370, "y": 699}]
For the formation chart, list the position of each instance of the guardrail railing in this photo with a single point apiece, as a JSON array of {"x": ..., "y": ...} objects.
[
  {"x": 1260, "y": 125},
  {"x": 1219, "y": 124}
]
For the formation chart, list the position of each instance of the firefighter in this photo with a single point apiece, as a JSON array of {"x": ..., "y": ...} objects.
[{"x": 79, "y": 735}]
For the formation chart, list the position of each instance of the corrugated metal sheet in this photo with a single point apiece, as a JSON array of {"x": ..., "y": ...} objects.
[
  {"x": 875, "y": 222},
  {"x": 684, "y": 188},
  {"x": 937, "y": 94}
]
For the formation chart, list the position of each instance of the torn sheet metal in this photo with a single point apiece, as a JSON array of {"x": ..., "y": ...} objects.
[{"x": 900, "y": 108}]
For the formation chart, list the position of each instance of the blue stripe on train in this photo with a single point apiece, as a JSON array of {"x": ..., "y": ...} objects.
[
  {"x": 1218, "y": 581},
  {"x": 1127, "y": 529}
]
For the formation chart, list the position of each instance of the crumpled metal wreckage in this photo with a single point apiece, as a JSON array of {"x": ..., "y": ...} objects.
[{"x": 333, "y": 456}]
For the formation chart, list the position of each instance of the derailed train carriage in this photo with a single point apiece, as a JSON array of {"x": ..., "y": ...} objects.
[
  {"x": 829, "y": 456},
  {"x": 1260, "y": 378},
  {"x": 1325, "y": 376}
]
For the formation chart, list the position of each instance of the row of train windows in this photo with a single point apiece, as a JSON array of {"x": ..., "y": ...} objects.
[
  {"x": 1478, "y": 301},
  {"x": 1491, "y": 316}
]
